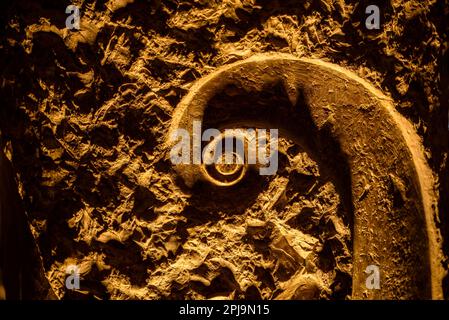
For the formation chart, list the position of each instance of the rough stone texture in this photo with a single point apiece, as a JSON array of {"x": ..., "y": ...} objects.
[{"x": 84, "y": 115}]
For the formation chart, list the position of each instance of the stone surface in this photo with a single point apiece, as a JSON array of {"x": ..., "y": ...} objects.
[{"x": 85, "y": 116}]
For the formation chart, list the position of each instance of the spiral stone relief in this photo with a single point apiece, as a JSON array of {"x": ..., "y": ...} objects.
[
  {"x": 352, "y": 188},
  {"x": 232, "y": 149}
]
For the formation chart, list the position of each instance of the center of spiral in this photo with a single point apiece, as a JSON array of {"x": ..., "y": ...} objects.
[{"x": 226, "y": 167}]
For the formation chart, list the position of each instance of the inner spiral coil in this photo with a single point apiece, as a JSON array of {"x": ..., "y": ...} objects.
[{"x": 225, "y": 159}]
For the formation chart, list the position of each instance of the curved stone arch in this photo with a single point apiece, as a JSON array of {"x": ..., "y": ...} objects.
[{"x": 383, "y": 153}]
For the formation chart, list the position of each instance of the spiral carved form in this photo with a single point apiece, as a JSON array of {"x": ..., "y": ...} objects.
[{"x": 340, "y": 139}]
